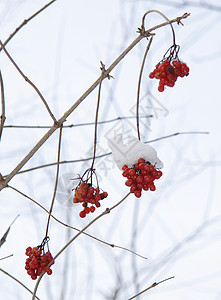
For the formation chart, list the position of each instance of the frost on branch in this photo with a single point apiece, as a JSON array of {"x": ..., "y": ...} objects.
[{"x": 128, "y": 154}]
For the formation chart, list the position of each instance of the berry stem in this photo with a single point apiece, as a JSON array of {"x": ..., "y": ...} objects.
[
  {"x": 165, "y": 17},
  {"x": 103, "y": 75},
  {"x": 139, "y": 83},
  {"x": 56, "y": 182}
]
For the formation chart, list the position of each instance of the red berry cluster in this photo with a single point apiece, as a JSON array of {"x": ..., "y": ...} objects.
[
  {"x": 85, "y": 193},
  {"x": 168, "y": 73},
  {"x": 141, "y": 176},
  {"x": 37, "y": 262}
]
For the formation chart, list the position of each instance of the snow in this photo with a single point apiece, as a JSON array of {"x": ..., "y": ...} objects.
[{"x": 130, "y": 153}]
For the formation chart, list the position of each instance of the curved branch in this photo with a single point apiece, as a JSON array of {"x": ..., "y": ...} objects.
[{"x": 139, "y": 83}]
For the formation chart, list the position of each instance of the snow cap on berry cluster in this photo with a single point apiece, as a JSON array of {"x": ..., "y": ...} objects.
[{"x": 128, "y": 154}]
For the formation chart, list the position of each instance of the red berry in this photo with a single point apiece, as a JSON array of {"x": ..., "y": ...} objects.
[
  {"x": 152, "y": 187},
  {"x": 151, "y": 75},
  {"x": 136, "y": 166},
  {"x": 124, "y": 167},
  {"x": 105, "y": 194},
  {"x": 147, "y": 178},
  {"x": 137, "y": 193},
  {"x": 97, "y": 197},
  {"x": 49, "y": 272},
  {"x": 161, "y": 88},
  {"x": 141, "y": 166},
  {"x": 151, "y": 168},
  {"x": 129, "y": 182},
  {"x": 31, "y": 272},
  {"x": 82, "y": 214},
  {"x": 139, "y": 186},
  {"x": 92, "y": 209},
  {"x": 145, "y": 187},
  {"x": 133, "y": 188},
  {"x": 131, "y": 172},
  {"x": 87, "y": 210},
  {"x": 139, "y": 179},
  {"x": 141, "y": 160},
  {"x": 97, "y": 204}
]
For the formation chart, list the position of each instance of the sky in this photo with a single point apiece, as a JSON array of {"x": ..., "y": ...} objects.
[{"x": 177, "y": 227}]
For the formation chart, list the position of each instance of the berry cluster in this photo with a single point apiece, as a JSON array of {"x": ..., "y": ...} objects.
[
  {"x": 37, "y": 262},
  {"x": 141, "y": 176},
  {"x": 86, "y": 194},
  {"x": 168, "y": 72}
]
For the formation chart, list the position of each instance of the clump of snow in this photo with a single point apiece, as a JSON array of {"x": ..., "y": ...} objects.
[{"x": 128, "y": 154}]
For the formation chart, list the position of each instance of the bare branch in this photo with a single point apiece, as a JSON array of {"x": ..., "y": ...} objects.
[
  {"x": 18, "y": 281},
  {"x": 106, "y": 211},
  {"x": 150, "y": 287},
  {"x": 56, "y": 181},
  {"x": 29, "y": 81},
  {"x": 109, "y": 153},
  {"x": 74, "y": 228},
  {"x": 25, "y": 22},
  {"x": 2, "y": 118},
  {"x": 75, "y": 105},
  {"x": 3, "y": 239},
  {"x": 139, "y": 83}
]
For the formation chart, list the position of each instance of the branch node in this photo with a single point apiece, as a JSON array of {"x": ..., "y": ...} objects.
[
  {"x": 104, "y": 71},
  {"x": 185, "y": 15},
  {"x": 58, "y": 124},
  {"x": 143, "y": 32},
  {"x": 107, "y": 211},
  {"x": 3, "y": 184}
]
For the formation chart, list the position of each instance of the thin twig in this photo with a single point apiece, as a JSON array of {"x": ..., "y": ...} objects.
[
  {"x": 18, "y": 281},
  {"x": 29, "y": 81},
  {"x": 56, "y": 181},
  {"x": 103, "y": 75},
  {"x": 150, "y": 287},
  {"x": 74, "y": 228},
  {"x": 177, "y": 133},
  {"x": 25, "y": 22},
  {"x": 2, "y": 118},
  {"x": 3, "y": 239},
  {"x": 108, "y": 153},
  {"x": 76, "y": 125},
  {"x": 139, "y": 83},
  {"x": 10, "y": 255},
  {"x": 75, "y": 105}
]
